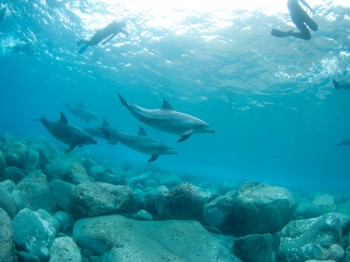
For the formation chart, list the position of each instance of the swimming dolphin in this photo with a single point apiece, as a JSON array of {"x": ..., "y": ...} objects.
[
  {"x": 140, "y": 142},
  {"x": 99, "y": 132},
  {"x": 344, "y": 85},
  {"x": 67, "y": 133},
  {"x": 80, "y": 110},
  {"x": 168, "y": 120},
  {"x": 345, "y": 142}
]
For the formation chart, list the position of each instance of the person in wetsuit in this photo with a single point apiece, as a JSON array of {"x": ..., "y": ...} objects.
[
  {"x": 301, "y": 19},
  {"x": 103, "y": 35}
]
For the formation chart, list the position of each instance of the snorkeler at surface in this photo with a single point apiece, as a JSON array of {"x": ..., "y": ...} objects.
[
  {"x": 301, "y": 19},
  {"x": 103, "y": 35}
]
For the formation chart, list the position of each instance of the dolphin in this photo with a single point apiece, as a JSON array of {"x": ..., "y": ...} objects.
[
  {"x": 344, "y": 85},
  {"x": 168, "y": 120},
  {"x": 67, "y": 133},
  {"x": 345, "y": 142},
  {"x": 99, "y": 132},
  {"x": 140, "y": 142},
  {"x": 81, "y": 111}
]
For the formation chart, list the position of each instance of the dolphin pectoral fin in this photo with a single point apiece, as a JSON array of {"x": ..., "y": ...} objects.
[
  {"x": 70, "y": 148},
  {"x": 153, "y": 158},
  {"x": 185, "y": 136}
]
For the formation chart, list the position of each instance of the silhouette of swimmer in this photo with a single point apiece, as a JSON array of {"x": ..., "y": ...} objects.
[
  {"x": 103, "y": 35},
  {"x": 301, "y": 20},
  {"x": 2, "y": 14}
]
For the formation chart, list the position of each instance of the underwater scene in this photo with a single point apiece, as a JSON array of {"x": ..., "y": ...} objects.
[{"x": 174, "y": 130}]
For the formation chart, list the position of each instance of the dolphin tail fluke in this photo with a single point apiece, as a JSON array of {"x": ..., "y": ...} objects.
[
  {"x": 122, "y": 100},
  {"x": 108, "y": 135},
  {"x": 336, "y": 84},
  {"x": 153, "y": 158},
  {"x": 70, "y": 148}
]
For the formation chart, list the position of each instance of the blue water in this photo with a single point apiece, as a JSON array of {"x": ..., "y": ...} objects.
[{"x": 276, "y": 114}]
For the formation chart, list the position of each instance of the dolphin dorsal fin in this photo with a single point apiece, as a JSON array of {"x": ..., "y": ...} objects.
[
  {"x": 142, "y": 131},
  {"x": 166, "y": 105},
  {"x": 63, "y": 118},
  {"x": 105, "y": 123}
]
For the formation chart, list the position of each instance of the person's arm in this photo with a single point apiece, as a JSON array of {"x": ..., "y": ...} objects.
[{"x": 307, "y": 5}]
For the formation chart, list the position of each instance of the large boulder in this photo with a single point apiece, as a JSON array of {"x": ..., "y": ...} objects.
[
  {"x": 65, "y": 249},
  {"x": 7, "y": 201},
  {"x": 14, "y": 174},
  {"x": 183, "y": 202},
  {"x": 62, "y": 193},
  {"x": 254, "y": 248},
  {"x": 2, "y": 165},
  {"x": 130, "y": 240},
  {"x": 217, "y": 212},
  {"x": 35, "y": 231},
  {"x": 260, "y": 208},
  {"x": 16, "y": 154},
  {"x": 7, "y": 250},
  {"x": 34, "y": 192},
  {"x": 314, "y": 238},
  {"x": 320, "y": 205},
  {"x": 97, "y": 198},
  {"x": 76, "y": 174}
]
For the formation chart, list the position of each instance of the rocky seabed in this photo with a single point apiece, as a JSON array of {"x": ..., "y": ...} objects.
[{"x": 70, "y": 207}]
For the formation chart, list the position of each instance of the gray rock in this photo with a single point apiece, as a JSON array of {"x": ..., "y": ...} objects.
[
  {"x": 7, "y": 202},
  {"x": 63, "y": 193},
  {"x": 27, "y": 257},
  {"x": 35, "y": 231},
  {"x": 347, "y": 255},
  {"x": 260, "y": 209},
  {"x": 16, "y": 154},
  {"x": 253, "y": 248},
  {"x": 148, "y": 201},
  {"x": 76, "y": 174},
  {"x": 320, "y": 205},
  {"x": 143, "y": 215},
  {"x": 65, "y": 249},
  {"x": 311, "y": 238},
  {"x": 34, "y": 192},
  {"x": 218, "y": 212},
  {"x": 66, "y": 220},
  {"x": 7, "y": 251},
  {"x": 184, "y": 202},
  {"x": 97, "y": 198},
  {"x": 335, "y": 252},
  {"x": 57, "y": 169},
  {"x": 14, "y": 174},
  {"x": 2, "y": 165},
  {"x": 138, "y": 241},
  {"x": 102, "y": 174}
]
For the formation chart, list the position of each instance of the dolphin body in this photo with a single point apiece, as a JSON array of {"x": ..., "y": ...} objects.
[
  {"x": 100, "y": 132},
  {"x": 168, "y": 120},
  {"x": 67, "y": 133},
  {"x": 140, "y": 142},
  {"x": 344, "y": 85},
  {"x": 81, "y": 111}
]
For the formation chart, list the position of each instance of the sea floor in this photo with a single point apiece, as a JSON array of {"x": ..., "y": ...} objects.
[{"x": 72, "y": 207}]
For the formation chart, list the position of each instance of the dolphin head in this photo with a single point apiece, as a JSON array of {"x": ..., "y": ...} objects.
[
  {"x": 204, "y": 128},
  {"x": 168, "y": 151}
]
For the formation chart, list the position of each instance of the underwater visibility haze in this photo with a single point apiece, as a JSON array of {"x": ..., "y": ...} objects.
[{"x": 271, "y": 101}]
